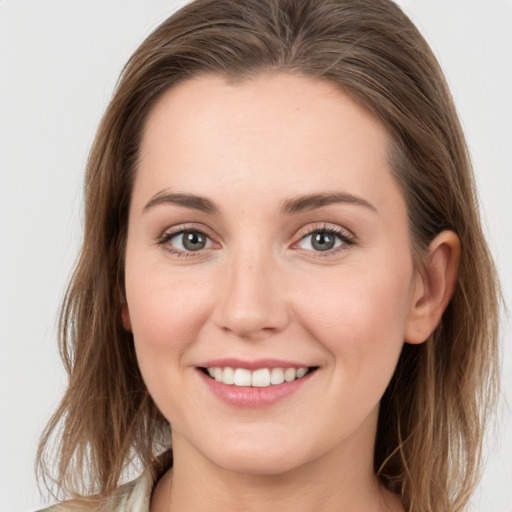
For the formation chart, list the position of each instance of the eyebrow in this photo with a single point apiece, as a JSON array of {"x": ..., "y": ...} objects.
[
  {"x": 187, "y": 200},
  {"x": 290, "y": 206},
  {"x": 313, "y": 201}
]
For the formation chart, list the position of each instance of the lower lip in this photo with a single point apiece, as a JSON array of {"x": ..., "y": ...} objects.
[{"x": 249, "y": 397}]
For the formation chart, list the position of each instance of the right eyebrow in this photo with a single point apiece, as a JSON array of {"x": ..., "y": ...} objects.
[
  {"x": 187, "y": 200},
  {"x": 313, "y": 201}
]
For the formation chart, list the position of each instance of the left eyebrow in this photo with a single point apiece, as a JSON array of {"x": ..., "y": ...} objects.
[
  {"x": 186, "y": 200},
  {"x": 313, "y": 201}
]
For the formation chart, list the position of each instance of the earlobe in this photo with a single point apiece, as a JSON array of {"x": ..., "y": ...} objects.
[
  {"x": 125, "y": 315},
  {"x": 434, "y": 288}
]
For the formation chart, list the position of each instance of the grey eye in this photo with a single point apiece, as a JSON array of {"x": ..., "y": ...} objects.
[
  {"x": 320, "y": 241},
  {"x": 190, "y": 241}
]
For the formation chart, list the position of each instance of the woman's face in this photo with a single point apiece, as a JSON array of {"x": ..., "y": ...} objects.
[{"x": 267, "y": 238}]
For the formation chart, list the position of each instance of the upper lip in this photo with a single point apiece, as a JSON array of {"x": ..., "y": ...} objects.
[{"x": 254, "y": 364}]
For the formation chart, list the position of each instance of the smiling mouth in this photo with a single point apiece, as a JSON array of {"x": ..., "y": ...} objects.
[{"x": 260, "y": 378}]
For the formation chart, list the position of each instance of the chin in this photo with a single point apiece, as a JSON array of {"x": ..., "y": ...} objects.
[
  {"x": 262, "y": 463},
  {"x": 258, "y": 456}
]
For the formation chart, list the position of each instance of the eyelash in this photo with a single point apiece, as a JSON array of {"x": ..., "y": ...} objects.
[
  {"x": 347, "y": 240},
  {"x": 346, "y": 237},
  {"x": 169, "y": 235}
]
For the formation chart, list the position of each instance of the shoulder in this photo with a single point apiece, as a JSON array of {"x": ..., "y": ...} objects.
[{"x": 134, "y": 496}]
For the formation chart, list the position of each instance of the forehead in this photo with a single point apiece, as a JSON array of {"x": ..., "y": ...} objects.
[{"x": 285, "y": 131}]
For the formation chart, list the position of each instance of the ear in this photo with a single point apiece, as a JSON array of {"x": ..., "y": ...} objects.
[
  {"x": 125, "y": 315},
  {"x": 434, "y": 288}
]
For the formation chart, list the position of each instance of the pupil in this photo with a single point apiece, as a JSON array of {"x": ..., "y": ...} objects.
[
  {"x": 323, "y": 241},
  {"x": 193, "y": 241}
]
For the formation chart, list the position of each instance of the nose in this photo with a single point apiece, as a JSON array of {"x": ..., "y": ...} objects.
[{"x": 253, "y": 302}]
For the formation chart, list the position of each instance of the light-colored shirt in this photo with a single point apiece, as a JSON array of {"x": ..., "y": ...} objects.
[{"x": 134, "y": 496}]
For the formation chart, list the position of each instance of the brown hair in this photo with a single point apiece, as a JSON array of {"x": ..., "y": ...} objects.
[{"x": 433, "y": 412}]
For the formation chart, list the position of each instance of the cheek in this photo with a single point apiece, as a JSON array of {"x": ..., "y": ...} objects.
[
  {"x": 359, "y": 316},
  {"x": 167, "y": 311}
]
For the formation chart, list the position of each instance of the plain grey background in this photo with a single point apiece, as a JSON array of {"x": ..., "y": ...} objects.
[{"x": 59, "y": 60}]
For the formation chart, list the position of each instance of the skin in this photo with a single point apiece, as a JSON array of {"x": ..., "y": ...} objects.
[{"x": 260, "y": 289}]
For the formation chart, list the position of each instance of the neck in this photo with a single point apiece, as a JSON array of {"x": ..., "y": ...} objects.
[{"x": 341, "y": 479}]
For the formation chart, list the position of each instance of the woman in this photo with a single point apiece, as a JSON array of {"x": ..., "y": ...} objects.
[{"x": 284, "y": 263}]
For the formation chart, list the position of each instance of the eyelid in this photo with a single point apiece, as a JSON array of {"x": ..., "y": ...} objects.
[
  {"x": 345, "y": 235},
  {"x": 325, "y": 226},
  {"x": 169, "y": 233}
]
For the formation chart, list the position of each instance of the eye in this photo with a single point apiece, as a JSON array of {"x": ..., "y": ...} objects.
[
  {"x": 189, "y": 240},
  {"x": 323, "y": 240}
]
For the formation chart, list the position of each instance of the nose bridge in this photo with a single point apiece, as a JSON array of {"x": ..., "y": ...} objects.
[{"x": 253, "y": 301}]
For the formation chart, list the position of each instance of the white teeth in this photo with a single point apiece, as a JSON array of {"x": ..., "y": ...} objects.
[
  {"x": 276, "y": 376},
  {"x": 290, "y": 374},
  {"x": 261, "y": 378},
  {"x": 228, "y": 376},
  {"x": 242, "y": 377},
  {"x": 301, "y": 372}
]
